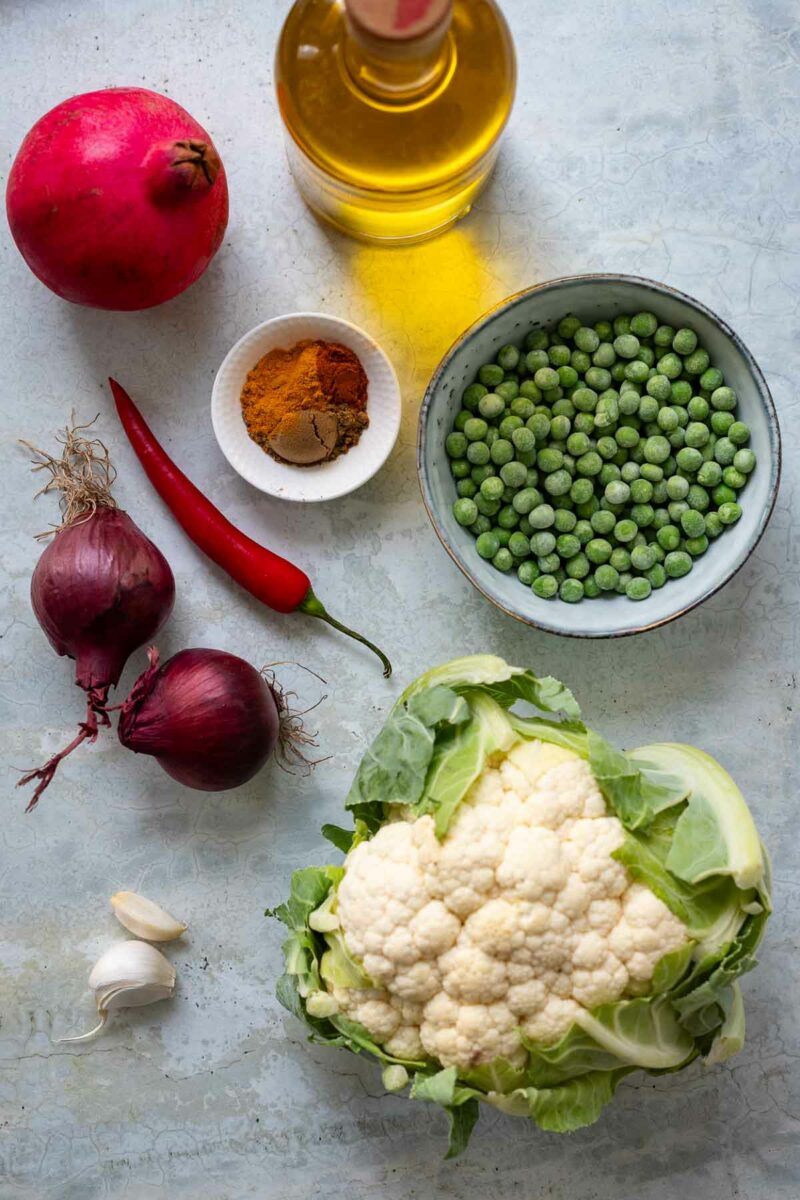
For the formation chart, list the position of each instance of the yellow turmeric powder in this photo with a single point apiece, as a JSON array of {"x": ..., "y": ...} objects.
[{"x": 306, "y": 404}]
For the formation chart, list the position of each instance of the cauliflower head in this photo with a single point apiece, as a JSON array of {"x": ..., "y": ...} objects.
[{"x": 526, "y": 914}]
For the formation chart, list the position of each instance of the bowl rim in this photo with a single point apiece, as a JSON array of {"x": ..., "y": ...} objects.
[
  {"x": 568, "y": 281},
  {"x": 397, "y": 404}
]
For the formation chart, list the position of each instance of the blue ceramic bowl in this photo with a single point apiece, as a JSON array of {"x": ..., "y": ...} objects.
[{"x": 592, "y": 298}]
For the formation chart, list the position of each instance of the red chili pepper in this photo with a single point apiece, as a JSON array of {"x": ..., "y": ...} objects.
[{"x": 274, "y": 580}]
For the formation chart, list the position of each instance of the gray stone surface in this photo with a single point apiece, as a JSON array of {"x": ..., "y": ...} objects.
[{"x": 654, "y": 139}]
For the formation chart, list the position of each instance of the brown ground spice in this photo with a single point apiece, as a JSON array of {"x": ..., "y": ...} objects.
[{"x": 306, "y": 404}]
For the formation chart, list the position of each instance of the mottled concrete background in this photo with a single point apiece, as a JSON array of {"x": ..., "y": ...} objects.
[{"x": 659, "y": 139}]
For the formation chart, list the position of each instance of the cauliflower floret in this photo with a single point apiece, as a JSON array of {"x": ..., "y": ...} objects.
[{"x": 518, "y": 919}]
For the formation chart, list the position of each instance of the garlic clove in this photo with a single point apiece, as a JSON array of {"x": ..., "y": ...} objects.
[
  {"x": 145, "y": 918},
  {"x": 128, "y": 975}
]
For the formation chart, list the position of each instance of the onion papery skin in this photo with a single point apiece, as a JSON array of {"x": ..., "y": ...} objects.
[
  {"x": 208, "y": 717},
  {"x": 100, "y": 590},
  {"x": 117, "y": 199}
]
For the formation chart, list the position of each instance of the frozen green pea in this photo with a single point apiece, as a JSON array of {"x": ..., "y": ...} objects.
[
  {"x": 606, "y": 447},
  {"x": 598, "y": 378},
  {"x": 508, "y": 517},
  {"x": 677, "y": 564},
  {"x": 571, "y": 591},
  {"x": 696, "y": 545},
  {"x": 636, "y": 453},
  {"x": 693, "y": 523},
  {"x": 663, "y": 335},
  {"x": 689, "y": 459},
  {"x": 656, "y": 449},
  {"x": 711, "y": 379},
  {"x": 676, "y": 509},
  {"x": 620, "y": 558},
  {"x": 697, "y": 362},
  {"x": 637, "y": 371},
  {"x": 604, "y": 330},
  {"x": 508, "y": 390},
  {"x": 722, "y": 494},
  {"x": 656, "y": 576},
  {"x": 545, "y": 586},
  {"x": 739, "y": 433},
  {"x": 551, "y": 395},
  {"x": 460, "y": 468},
  {"x": 466, "y": 488},
  {"x": 487, "y": 544},
  {"x": 479, "y": 473},
  {"x": 560, "y": 428},
  {"x": 578, "y": 444},
  {"x": 697, "y": 497},
  {"x": 514, "y": 474},
  {"x": 659, "y": 495},
  {"x": 501, "y": 452},
  {"x": 685, "y": 341},
  {"x": 491, "y": 374},
  {"x": 503, "y": 560},
  {"x": 729, "y": 513},
  {"x": 568, "y": 326},
  {"x": 567, "y": 546},
  {"x": 625, "y": 530},
  {"x": 549, "y": 459},
  {"x": 491, "y": 406},
  {"x": 624, "y": 579},
  {"x": 539, "y": 425},
  {"x": 638, "y": 589},
  {"x": 584, "y": 399},
  {"x": 503, "y": 535},
  {"x": 536, "y": 360},
  {"x": 465, "y": 511},
  {"x": 714, "y": 526},
  {"x": 709, "y": 474},
  {"x": 629, "y": 401},
  {"x": 526, "y": 501},
  {"x": 648, "y": 408},
  {"x": 549, "y": 564},
  {"x": 523, "y": 440},
  {"x": 604, "y": 356},
  {"x": 508, "y": 357},
  {"x": 625, "y": 437},
  {"x": 578, "y": 567},
  {"x": 492, "y": 489},
  {"x": 583, "y": 531},
  {"x": 564, "y": 408},
  {"x": 565, "y": 520},
  {"x": 558, "y": 483},
  {"x": 642, "y": 515},
  {"x": 529, "y": 391},
  {"x": 527, "y": 571},
  {"x": 617, "y": 492},
  {"x": 582, "y": 490},
  {"x": 472, "y": 396},
  {"x": 478, "y": 454},
  {"x": 609, "y": 473},
  {"x": 537, "y": 339},
  {"x": 580, "y": 361},
  {"x": 602, "y": 521},
  {"x": 491, "y": 436},
  {"x": 456, "y": 445},
  {"x": 723, "y": 399},
  {"x": 559, "y": 356},
  {"x": 481, "y": 524},
  {"x": 744, "y": 461},
  {"x": 607, "y": 412},
  {"x": 545, "y": 378},
  {"x": 589, "y": 464},
  {"x": 677, "y": 438},
  {"x": 721, "y": 422},
  {"x": 724, "y": 451},
  {"x": 509, "y": 424},
  {"x": 626, "y": 345},
  {"x": 630, "y": 471},
  {"x": 641, "y": 491},
  {"x": 475, "y": 429},
  {"x": 586, "y": 339},
  {"x": 590, "y": 588},
  {"x": 489, "y": 508},
  {"x": 521, "y": 408},
  {"x": 542, "y": 516},
  {"x": 697, "y": 434},
  {"x": 647, "y": 355},
  {"x": 568, "y": 376},
  {"x": 519, "y": 545},
  {"x": 670, "y": 365},
  {"x": 606, "y": 577},
  {"x": 669, "y": 537},
  {"x": 667, "y": 420},
  {"x": 598, "y": 550},
  {"x": 461, "y": 419},
  {"x": 660, "y": 518},
  {"x": 583, "y": 423},
  {"x": 698, "y": 408},
  {"x": 622, "y": 325},
  {"x": 644, "y": 324}
]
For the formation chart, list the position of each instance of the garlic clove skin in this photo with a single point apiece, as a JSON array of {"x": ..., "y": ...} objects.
[
  {"x": 145, "y": 918},
  {"x": 128, "y": 975}
]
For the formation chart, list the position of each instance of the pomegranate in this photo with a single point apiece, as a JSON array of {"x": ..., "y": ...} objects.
[{"x": 117, "y": 199}]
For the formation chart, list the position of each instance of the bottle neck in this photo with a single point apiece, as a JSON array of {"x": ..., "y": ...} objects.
[{"x": 397, "y": 66}]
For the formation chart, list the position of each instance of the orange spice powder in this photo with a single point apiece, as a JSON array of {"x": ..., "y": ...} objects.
[{"x": 307, "y": 404}]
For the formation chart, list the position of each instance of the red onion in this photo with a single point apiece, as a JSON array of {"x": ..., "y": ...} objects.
[
  {"x": 101, "y": 588},
  {"x": 209, "y": 718}
]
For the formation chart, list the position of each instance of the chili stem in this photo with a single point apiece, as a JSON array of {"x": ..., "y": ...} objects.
[{"x": 313, "y": 607}]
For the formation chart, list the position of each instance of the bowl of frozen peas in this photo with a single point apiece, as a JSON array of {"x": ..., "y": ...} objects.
[{"x": 598, "y": 454}]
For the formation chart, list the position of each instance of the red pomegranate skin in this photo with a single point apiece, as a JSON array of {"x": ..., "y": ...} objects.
[{"x": 117, "y": 199}]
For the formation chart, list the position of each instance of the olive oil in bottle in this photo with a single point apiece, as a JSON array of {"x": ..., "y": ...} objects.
[{"x": 394, "y": 109}]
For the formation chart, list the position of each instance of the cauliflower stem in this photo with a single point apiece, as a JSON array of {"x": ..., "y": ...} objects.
[{"x": 525, "y": 913}]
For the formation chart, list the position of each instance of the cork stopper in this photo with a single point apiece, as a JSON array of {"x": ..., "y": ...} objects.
[{"x": 399, "y": 19}]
